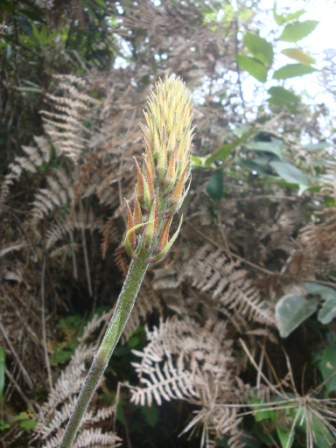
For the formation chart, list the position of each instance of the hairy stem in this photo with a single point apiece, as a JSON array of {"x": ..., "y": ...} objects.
[{"x": 118, "y": 321}]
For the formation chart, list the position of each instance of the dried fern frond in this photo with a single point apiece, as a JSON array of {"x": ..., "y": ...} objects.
[
  {"x": 35, "y": 157},
  {"x": 185, "y": 361},
  {"x": 59, "y": 193},
  {"x": 78, "y": 221},
  {"x": 64, "y": 126},
  {"x": 320, "y": 239},
  {"x": 56, "y": 411},
  {"x": 224, "y": 279}
]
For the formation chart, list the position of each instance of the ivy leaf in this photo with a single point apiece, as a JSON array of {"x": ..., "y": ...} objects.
[
  {"x": 298, "y": 55},
  {"x": 298, "y": 30},
  {"x": 290, "y": 311},
  {"x": 253, "y": 66},
  {"x": 259, "y": 48}
]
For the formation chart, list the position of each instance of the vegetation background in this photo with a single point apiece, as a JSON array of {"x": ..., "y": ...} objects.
[{"x": 232, "y": 341}]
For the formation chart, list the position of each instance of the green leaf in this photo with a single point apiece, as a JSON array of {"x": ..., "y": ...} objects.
[
  {"x": 324, "y": 291},
  {"x": 4, "y": 425},
  {"x": 290, "y": 311},
  {"x": 281, "y": 96},
  {"x": 317, "y": 146},
  {"x": 281, "y": 19},
  {"x": 290, "y": 174},
  {"x": 308, "y": 420},
  {"x": 214, "y": 186},
  {"x": 28, "y": 425},
  {"x": 292, "y": 70},
  {"x": 261, "y": 412},
  {"x": 299, "y": 55},
  {"x": 328, "y": 311},
  {"x": 273, "y": 147},
  {"x": 298, "y": 30},
  {"x": 2, "y": 372},
  {"x": 151, "y": 415},
  {"x": 253, "y": 66},
  {"x": 259, "y": 48},
  {"x": 286, "y": 437},
  {"x": 223, "y": 152},
  {"x": 327, "y": 366}
]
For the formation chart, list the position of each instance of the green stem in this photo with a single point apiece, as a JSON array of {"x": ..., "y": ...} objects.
[{"x": 126, "y": 300}]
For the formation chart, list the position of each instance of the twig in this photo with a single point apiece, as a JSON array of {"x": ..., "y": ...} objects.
[
  {"x": 16, "y": 356},
  {"x": 232, "y": 254},
  {"x": 86, "y": 257},
  {"x": 19, "y": 390}
]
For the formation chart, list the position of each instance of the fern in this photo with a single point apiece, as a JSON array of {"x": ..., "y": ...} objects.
[
  {"x": 185, "y": 361},
  {"x": 55, "y": 413},
  {"x": 224, "y": 278},
  {"x": 34, "y": 158}
]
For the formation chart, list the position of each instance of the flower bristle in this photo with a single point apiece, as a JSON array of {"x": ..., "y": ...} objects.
[{"x": 162, "y": 182}]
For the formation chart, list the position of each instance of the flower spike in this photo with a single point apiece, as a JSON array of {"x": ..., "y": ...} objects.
[{"x": 164, "y": 179}]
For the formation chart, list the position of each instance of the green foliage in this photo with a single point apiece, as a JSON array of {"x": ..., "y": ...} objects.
[
  {"x": 282, "y": 97},
  {"x": 298, "y": 30},
  {"x": 282, "y": 19},
  {"x": 298, "y": 55},
  {"x": 259, "y": 48},
  {"x": 63, "y": 350},
  {"x": 26, "y": 420},
  {"x": 327, "y": 367},
  {"x": 253, "y": 66},
  {"x": 293, "y": 70},
  {"x": 214, "y": 186},
  {"x": 291, "y": 310},
  {"x": 4, "y": 425},
  {"x": 262, "y": 51}
]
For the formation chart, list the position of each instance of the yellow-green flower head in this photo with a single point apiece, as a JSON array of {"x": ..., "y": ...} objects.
[
  {"x": 168, "y": 136},
  {"x": 162, "y": 183}
]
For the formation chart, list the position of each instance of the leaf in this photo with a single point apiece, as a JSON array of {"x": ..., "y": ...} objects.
[
  {"x": 298, "y": 55},
  {"x": 262, "y": 412},
  {"x": 290, "y": 174},
  {"x": 292, "y": 70},
  {"x": 259, "y": 48},
  {"x": 2, "y": 372},
  {"x": 281, "y": 19},
  {"x": 281, "y": 96},
  {"x": 328, "y": 311},
  {"x": 223, "y": 152},
  {"x": 327, "y": 366},
  {"x": 214, "y": 186},
  {"x": 273, "y": 147},
  {"x": 286, "y": 437},
  {"x": 298, "y": 30},
  {"x": 317, "y": 146},
  {"x": 253, "y": 66},
  {"x": 324, "y": 291},
  {"x": 290, "y": 311},
  {"x": 151, "y": 415}
]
